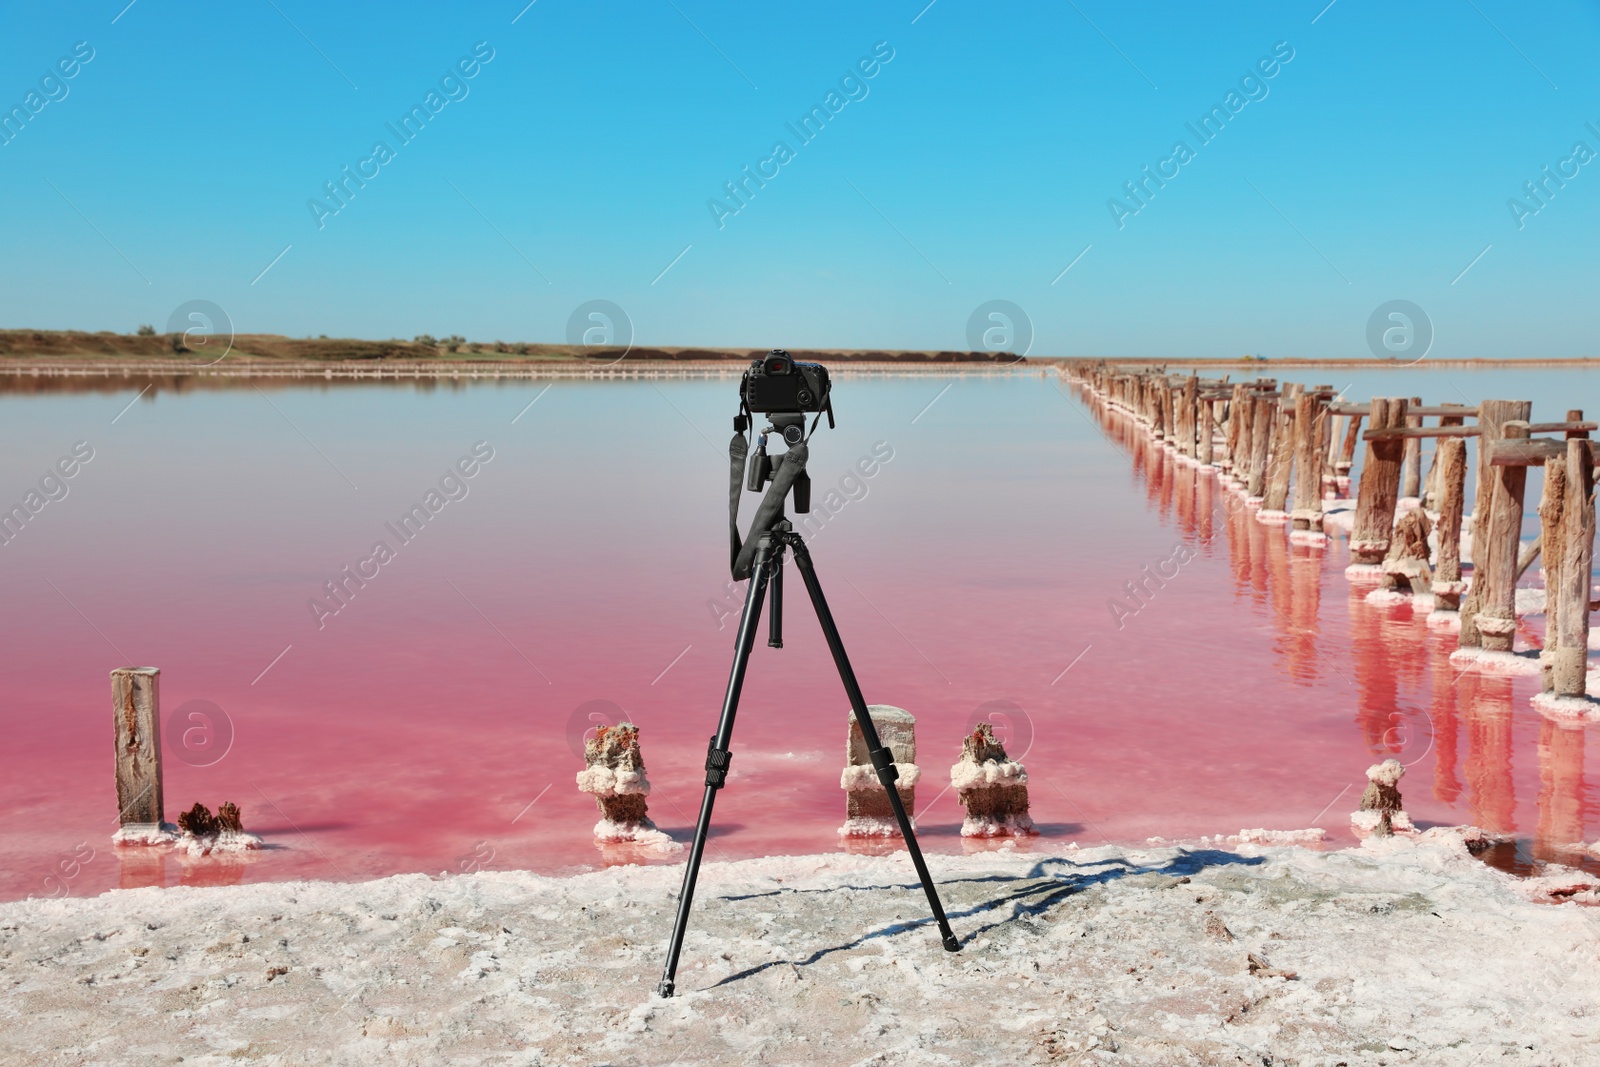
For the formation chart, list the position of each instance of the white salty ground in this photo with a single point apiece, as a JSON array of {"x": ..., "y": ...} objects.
[{"x": 1404, "y": 951}]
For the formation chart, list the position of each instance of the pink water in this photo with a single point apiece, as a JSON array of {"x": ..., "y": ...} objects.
[{"x": 428, "y": 725}]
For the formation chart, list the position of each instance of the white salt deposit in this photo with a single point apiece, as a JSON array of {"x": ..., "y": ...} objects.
[
  {"x": 1530, "y": 601},
  {"x": 1004, "y": 826},
  {"x": 969, "y": 775},
  {"x": 1441, "y": 619},
  {"x": 1314, "y": 538},
  {"x": 1272, "y": 517},
  {"x": 1572, "y": 709},
  {"x": 1502, "y": 663},
  {"x": 1406, "y": 950},
  {"x": 643, "y": 834},
  {"x": 866, "y": 777},
  {"x": 603, "y": 781},
  {"x": 1310, "y": 836}
]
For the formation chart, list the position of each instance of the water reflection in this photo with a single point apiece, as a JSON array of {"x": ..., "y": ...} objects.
[{"x": 1408, "y": 702}]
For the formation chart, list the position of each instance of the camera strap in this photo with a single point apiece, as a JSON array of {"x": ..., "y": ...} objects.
[{"x": 788, "y": 468}]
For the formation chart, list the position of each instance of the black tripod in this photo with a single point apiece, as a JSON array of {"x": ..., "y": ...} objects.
[{"x": 774, "y": 535}]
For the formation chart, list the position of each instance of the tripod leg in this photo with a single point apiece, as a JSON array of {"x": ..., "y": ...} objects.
[
  {"x": 717, "y": 755},
  {"x": 775, "y": 605},
  {"x": 882, "y": 759}
]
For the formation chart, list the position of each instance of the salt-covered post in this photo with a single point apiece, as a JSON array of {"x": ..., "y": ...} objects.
[
  {"x": 867, "y": 809},
  {"x": 1411, "y": 463},
  {"x": 1451, "y": 462},
  {"x": 614, "y": 775},
  {"x": 1571, "y": 581},
  {"x": 1382, "y": 811},
  {"x": 1489, "y": 615},
  {"x": 992, "y": 787},
  {"x": 1377, "y": 494},
  {"x": 136, "y": 712},
  {"x": 1207, "y": 429}
]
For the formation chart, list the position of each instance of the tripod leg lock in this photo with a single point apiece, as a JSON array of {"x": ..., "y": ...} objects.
[
  {"x": 883, "y": 763},
  {"x": 717, "y": 760}
]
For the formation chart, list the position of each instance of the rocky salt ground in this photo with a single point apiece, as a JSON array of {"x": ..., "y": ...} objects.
[{"x": 1402, "y": 951}]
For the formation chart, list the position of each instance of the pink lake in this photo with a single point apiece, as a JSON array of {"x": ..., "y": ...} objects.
[{"x": 429, "y": 725}]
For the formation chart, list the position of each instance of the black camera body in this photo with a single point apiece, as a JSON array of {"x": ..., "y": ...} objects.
[{"x": 779, "y": 383}]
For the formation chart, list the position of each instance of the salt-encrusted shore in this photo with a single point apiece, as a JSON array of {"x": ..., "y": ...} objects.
[{"x": 1406, "y": 950}]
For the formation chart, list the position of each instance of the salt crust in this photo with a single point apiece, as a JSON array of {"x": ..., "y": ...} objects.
[
  {"x": 1005, "y": 826},
  {"x": 1569, "y": 709},
  {"x": 969, "y": 775},
  {"x": 604, "y": 781},
  {"x": 1486, "y": 662},
  {"x": 416, "y": 969},
  {"x": 1364, "y": 572},
  {"x": 871, "y": 826},
  {"x": 1272, "y": 517},
  {"x": 224, "y": 841},
  {"x": 1314, "y": 538},
  {"x": 1442, "y": 619},
  {"x": 146, "y": 834},
  {"x": 866, "y": 777},
  {"x": 642, "y": 833}
]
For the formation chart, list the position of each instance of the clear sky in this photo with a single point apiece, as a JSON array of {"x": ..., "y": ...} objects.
[{"x": 582, "y": 160}]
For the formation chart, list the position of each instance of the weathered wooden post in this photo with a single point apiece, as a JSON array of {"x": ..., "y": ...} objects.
[
  {"x": 1207, "y": 432},
  {"x": 1570, "y": 582},
  {"x": 867, "y": 809},
  {"x": 1450, "y": 460},
  {"x": 614, "y": 775},
  {"x": 1377, "y": 494},
  {"x": 1431, "y": 490},
  {"x": 1489, "y": 532},
  {"x": 1347, "y": 450},
  {"x": 1552, "y": 537},
  {"x": 136, "y": 712},
  {"x": 1265, "y": 415},
  {"x": 1497, "y": 610},
  {"x": 992, "y": 787},
  {"x": 1275, "y": 491},
  {"x": 1411, "y": 462},
  {"x": 1230, "y": 453},
  {"x": 1310, "y": 422},
  {"x": 1191, "y": 416}
]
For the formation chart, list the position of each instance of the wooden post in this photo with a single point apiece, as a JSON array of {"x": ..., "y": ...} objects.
[
  {"x": 1496, "y": 619},
  {"x": 1265, "y": 413},
  {"x": 1432, "y": 493},
  {"x": 1492, "y": 417},
  {"x": 1380, "y": 485},
  {"x": 1230, "y": 454},
  {"x": 1244, "y": 413},
  {"x": 1347, "y": 451},
  {"x": 1569, "y": 664},
  {"x": 1451, "y": 461},
  {"x": 136, "y": 711},
  {"x": 1310, "y": 422},
  {"x": 1411, "y": 463},
  {"x": 1553, "y": 538},
  {"x": 1275, "y": 495},
  {"x": 1191, "y": 416}
]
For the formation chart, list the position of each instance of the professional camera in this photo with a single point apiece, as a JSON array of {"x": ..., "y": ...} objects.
[{"x": 778, "y": 383}]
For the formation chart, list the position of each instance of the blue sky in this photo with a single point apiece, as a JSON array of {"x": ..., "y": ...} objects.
[{"x": 974, "y": 165}]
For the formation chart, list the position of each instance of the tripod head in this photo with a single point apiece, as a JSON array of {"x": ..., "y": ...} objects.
[{"x": 784, "y": 391}]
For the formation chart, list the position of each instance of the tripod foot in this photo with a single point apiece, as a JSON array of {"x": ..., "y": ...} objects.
[
  {"x": 666, "y": 987},
  {"x": 951, "y": 944}
]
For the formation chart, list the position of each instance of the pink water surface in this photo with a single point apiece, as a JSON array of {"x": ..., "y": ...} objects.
[{"x": 428, "y": 725}]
